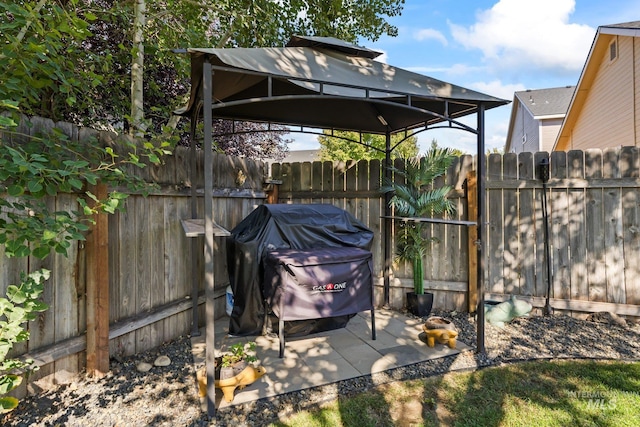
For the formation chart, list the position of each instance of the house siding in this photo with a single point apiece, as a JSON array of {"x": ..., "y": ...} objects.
[
  {"x": 524, "y": 124},
  {"x": 549, "y": 129},
  {"x": 607, "y": 117}
]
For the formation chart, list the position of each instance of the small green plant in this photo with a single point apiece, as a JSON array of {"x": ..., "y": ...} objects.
[
  {"x": 20, "y": 306},
  {"x": 239, "y": 352}
]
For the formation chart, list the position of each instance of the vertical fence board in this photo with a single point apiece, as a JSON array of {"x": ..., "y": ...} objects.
[
  {"x": 594, "y": 219},
  {"x": 339, "y": 178},
  {"x": 453, "y": 252},
  {"x": 182, "y": 282},
  {"x": 127, "y": 279},
  {"x": 613, "y": 235},
  {"x": 66, "y": 297},
  {"x": 171, "y": 248},
  {"x": 559, "y": 231},
  {"x": 577, "y": 231},
  {"x": 316, "y": 179},
  {"x": 630, "y": 168},
  {"x": 376, "y": 207},
  {"x": 156, "y": 266},
  {"x": 296, "y": 180},
  {"x": 494, "y": 234},
  {"x": 511, "y": 211},
  {"x": 306, "y": 180},
  {"x": 351, "y": 185},
  {"x": 526, "y": 226},
  {"x": 144, "y": 248}
]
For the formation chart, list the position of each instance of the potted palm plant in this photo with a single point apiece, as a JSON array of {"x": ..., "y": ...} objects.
[{"x": 414, "y": 196}]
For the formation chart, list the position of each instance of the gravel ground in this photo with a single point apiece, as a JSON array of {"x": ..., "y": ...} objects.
[{"x": 167, "y": 396}]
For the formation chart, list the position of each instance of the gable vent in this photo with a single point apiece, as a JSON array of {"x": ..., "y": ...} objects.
[{"x": 613, "y": 50}]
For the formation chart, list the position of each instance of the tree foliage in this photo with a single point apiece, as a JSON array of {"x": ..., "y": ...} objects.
[
  {"x": 345, "y": 145},
  {"x": 72, "y": 59},
  {"x": 456, "y": 152},
  {"x": 21, "y": 305}
]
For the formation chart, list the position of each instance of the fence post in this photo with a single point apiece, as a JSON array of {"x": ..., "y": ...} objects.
[
  {"x": 472, "y": 215},
  {"x": 98, "y": 292}
]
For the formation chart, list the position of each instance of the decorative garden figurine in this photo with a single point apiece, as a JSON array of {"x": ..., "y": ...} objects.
[{"x": 506, "y": 311}]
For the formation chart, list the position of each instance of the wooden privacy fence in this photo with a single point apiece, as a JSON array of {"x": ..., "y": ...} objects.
[
  {"x": 149, "y": 262},
  {"x": 594, "y": 218},
  {"x": 594, "y": 229}
]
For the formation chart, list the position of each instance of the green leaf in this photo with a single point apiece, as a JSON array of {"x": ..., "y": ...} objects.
[
  {"x": 49, "y": 235},
  {"x": 59, "y": 248},
  {"x": 9, "y": 382},
  {"x": 39, "y": 306},
  {"x": 15, "y": 190},
  {"x": 41, "y": 252},
  {"x": 75, "y": 183},
  {"x": 118, "y": 195},
  {"x": 16, "y": 294},
  {"x": 22, "y": 251},
  {"x": 34, "y": 186},
  {"x": 8, "y": 404},
  {"x": 7, "y": 122},
  {"x": 51, "y": 189}
]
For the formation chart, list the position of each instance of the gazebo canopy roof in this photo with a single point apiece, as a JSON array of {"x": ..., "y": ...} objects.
[{"x": 324, "y": 82}]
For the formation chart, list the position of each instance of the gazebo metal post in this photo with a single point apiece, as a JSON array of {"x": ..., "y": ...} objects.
[
  {"x": 387, "y": 220},
  {"x": 207, "y": 86},
  {"x": 481, "y": 218}
]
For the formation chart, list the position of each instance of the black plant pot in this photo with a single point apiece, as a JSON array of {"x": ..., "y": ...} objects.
[{"x": 419, "y": 304}]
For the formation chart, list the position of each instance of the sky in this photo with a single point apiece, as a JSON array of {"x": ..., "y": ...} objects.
[{"x": 494, "y": 47}]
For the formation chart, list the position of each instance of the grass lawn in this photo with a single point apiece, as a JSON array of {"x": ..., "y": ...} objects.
[{"x": 544, "y": 393}]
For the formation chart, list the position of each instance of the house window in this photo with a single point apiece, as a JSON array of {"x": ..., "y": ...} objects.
[{"x": 613, "y": 50}]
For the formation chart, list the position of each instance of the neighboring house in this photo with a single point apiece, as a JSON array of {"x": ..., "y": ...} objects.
[
  {"x": 295, "y": 156},
  {"x": 605, "y": 110},
  {"x": 536, "y": 118}
]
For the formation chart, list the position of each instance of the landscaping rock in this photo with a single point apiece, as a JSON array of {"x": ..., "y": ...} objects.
[
  {"x": 144, "y": 367},
  {"x": 169, "y": 396},
  {"x": 607, "y": 318},
  {"x": 162, "y": 361}
]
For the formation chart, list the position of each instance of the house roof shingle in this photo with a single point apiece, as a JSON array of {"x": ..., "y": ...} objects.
[
  {"x": 628, "y": 25},
  {"x": 546, "y": 102}
]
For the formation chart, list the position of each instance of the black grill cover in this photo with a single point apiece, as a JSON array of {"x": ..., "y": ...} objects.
[
  {"x": 281, "y": 226},
  {"x": 318, "y": 283}
]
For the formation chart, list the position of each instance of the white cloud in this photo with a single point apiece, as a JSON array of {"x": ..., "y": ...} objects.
[
  {"x": 430, "y": 34},
  {"x": 497, "y": 89},
  {"x": 525, "y": 35},
  {"x": 455, "y": 69},
  {"x": 382, "y": 58}
]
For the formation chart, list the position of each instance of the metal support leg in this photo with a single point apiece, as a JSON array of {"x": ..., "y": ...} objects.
[{"x": 373, "y": 324}]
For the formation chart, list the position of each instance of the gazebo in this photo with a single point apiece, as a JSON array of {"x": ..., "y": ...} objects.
[{"x": 322, "y": 82}]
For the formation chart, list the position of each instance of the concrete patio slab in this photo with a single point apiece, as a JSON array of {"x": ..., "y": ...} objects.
[{"x": 327, "y": 357}]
